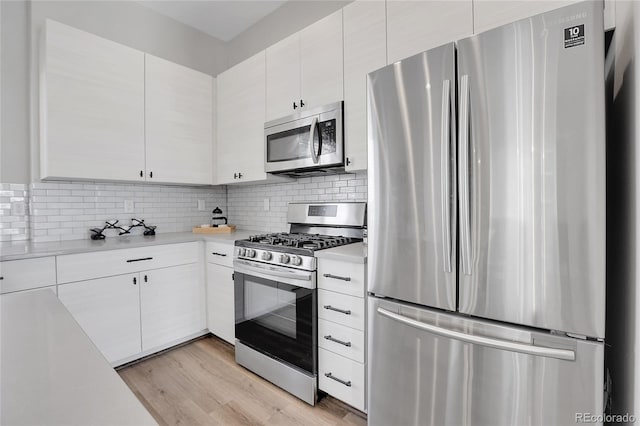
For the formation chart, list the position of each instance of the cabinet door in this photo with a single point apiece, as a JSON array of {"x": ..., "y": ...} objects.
[
  {"x": 108, "y": 310},
  {"x": 172, "y": 304},
  {"x": 179, "y": 123},
  {"x": 283, "y": 77},
  {"x": 321, "y": 62},
  {"x": 365, "y": 50},
  {"x": 241, "y": 117},
  {"x": 220, "y": 302},
  {"x": 91, "y": 107},
  {"x": 416, "y": 26},
  {"x": 489, "y": 14}
]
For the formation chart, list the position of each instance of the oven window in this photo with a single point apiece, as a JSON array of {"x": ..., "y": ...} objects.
[{"x": 277, "y": 319}]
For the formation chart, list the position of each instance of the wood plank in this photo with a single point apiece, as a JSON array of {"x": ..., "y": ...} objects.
[{"x": 200, "y": 383}]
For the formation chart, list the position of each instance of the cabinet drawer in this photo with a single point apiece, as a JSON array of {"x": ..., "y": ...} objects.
[
  {"x": 342, "y": 340},
  {"x": 26, "y": 274},
  {"x": 351, "y": 387},
  {"x": 341, "y": 277},
  {"x": 341, "y": 308},
  {"x": 84, "y": 266},
  {"x": 220, "y": 254}
]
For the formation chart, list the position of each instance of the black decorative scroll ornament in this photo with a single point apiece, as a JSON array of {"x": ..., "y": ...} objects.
[{"x": 98, "y": 233}]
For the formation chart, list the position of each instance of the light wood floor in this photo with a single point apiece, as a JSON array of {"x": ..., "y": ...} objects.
[{"x": 201, "y": 384}]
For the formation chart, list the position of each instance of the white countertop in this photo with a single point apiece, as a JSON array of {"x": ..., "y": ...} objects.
[
  {"x": 354, "y": 253},
  {"x": 27, "y": 249},
  {"x": 51, "y": 373}
]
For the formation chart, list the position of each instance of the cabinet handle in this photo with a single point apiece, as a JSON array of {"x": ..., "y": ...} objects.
[
  {"x": 141, "y": 173},
  {"x": 1, "y": 278},
  {"x": 139, "y": 260},
  {"x": 295, "y": 106},
  {"x": 342, "y": 311},
  {"x": 336, "y": 277},
  {"x": 235, "y": 176},
  {"x": 301, "y": 103},
  {"x": 343, "y": 343},
  {"x": 219, "y": 254},
  {"x": 233, "y": 276},
  {"x": 145, "y": 279},
  {"x": 151, "y": 175},
  {"x": 239, "y": 175},
  {"x": 332, "y": 377},
  {"x": 348, "y": 161},
  {"x": 135, "y": 281}
]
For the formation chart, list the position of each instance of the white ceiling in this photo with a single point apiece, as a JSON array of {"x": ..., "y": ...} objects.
[{"x": 222, "y": 19}]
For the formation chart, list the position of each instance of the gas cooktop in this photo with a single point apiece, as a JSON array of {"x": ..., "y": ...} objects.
[{"x": 296, "y": 243}]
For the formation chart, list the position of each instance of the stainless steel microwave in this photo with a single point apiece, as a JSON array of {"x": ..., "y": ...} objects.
[{"x": 306, "y": 142}]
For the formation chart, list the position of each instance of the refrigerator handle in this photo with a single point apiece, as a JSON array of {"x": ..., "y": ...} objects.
[
  {"x": 565, "y": 354},
  {"x": 312, "y": 136},
  {"x": 445, "y": 140},
  {"x": 463, "y": 176}
]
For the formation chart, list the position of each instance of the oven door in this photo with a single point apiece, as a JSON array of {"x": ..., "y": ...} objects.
[
  {"x": 276, "y": 318},
  {"x": 305, "y": 142}
]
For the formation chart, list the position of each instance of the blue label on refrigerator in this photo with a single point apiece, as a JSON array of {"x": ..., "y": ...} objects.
[{"x": 574, "y": 36}]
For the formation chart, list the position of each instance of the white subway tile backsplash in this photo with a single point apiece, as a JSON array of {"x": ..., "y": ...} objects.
[
  {"x": 14, "y": 212},
  {"x": 246, "y": 203}
]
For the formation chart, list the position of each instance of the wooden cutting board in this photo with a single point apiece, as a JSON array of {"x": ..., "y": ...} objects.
[{"x": 217, "y": 230}]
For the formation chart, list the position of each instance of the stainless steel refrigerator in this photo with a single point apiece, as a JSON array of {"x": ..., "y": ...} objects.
[{"x": 486, "y": 257}]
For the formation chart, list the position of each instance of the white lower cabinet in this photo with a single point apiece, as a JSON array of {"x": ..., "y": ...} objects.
[
  {"x": 342, "y": 378},
  {"x": 172, "y": 304},
  {"x": 220, "y": 301},
  {"x": 342, "y": 337},
  {"x": 108, "y": 310}
]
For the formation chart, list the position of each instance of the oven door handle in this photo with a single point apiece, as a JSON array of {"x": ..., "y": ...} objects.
[{"x": 295, "y": 277}]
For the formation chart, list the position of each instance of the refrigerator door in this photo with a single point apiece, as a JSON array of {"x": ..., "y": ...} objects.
[
  {"x": 412, "y": 185},
  {"x": 531, "y": 161},
  {"x": 433, "y": 368}
]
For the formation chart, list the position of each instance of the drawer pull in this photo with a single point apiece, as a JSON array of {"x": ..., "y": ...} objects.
[
  {"x": 342, "y": 311},
  {"x": 332, "y": 377},
  {"x": 347, "y": 344},
  {"x": 219, "y": 254},
  {"x": 139, "y": 260},
  {"x": 1, "y": 278},
  {"x": 336, "y": 277}
]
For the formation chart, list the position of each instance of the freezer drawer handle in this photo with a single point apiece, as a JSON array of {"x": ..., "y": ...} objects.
[
  {"x": 336, "y": 277},
  {"x": 347, "y": 344},
  {"x": 332, "y": 377},
  {"x": 342, "y": 311},
  {"x": 139, "y": 260},
  {"x": 565, "y": 354}
]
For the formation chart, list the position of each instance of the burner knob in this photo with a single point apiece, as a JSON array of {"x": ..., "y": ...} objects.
[
  {"x": 241, "y": 252},
  {"x": 284, "y": 258},
  {"x": 296, "y": 260},
  {"x": 251, "y": 253},
  {"x": 266, "y": 255}
]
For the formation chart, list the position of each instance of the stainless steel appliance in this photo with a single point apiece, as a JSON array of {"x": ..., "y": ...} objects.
[
  {"x": 486, "y": 256},
  {"x": 309, "y": 142},
  {"x": 275, "y": 293}
]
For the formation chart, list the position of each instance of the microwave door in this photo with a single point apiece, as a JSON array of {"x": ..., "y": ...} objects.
[
  {"x": 329, "y": 141},
  {"x": 290, "y": 145}
]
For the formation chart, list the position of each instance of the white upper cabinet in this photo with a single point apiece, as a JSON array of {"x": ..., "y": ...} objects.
[
  {"x": 240, "y": 122},
  {"x": 179, "y": 123},
  {"x": 305, "y": 70},
  {"x": 283, "y": 77},
  {"x": 91, "y": 107},
  {"x": 321, "y": 62},
  {"x": 365, "y": 44},
  {"x": 489, "y": 14},
  {"x": 416, "y": 26}
]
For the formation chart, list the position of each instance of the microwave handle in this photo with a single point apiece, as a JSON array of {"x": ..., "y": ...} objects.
[{"x": 312, "y": 135}]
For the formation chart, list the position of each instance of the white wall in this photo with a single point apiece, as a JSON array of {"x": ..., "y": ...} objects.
[
  {"x": 127, "y": 22},
  {"x": 623, "y": 216},
  {"x": 284, "y": 21}
]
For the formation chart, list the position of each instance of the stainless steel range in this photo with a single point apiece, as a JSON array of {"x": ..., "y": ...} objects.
[{"x": 275, "y": 293}]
